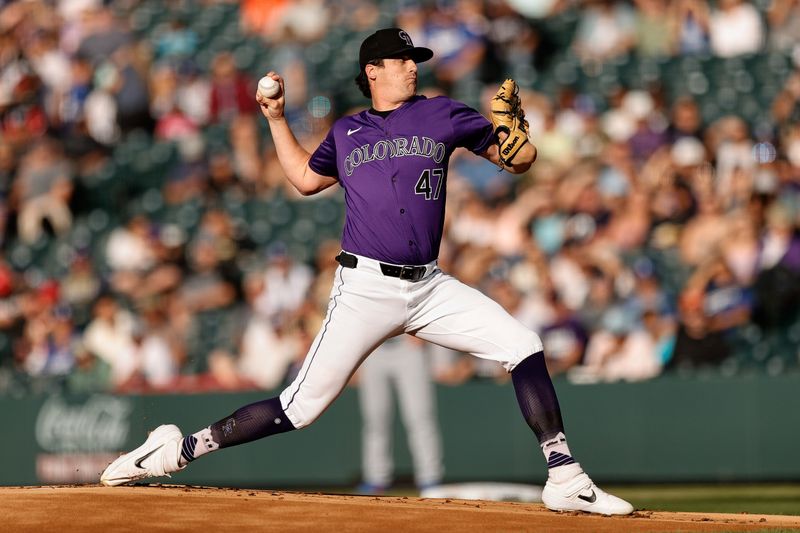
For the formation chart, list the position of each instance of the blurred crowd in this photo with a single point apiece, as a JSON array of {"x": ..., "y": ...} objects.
[{"x": 645, "y": 237}]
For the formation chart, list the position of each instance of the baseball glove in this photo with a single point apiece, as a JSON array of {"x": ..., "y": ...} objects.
[{"x": 508, "y": 117}]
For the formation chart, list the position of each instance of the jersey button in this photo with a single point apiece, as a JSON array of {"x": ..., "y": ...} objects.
[
  {"x": 411, "y": 243},
  {"x": 402, "y": 211}
]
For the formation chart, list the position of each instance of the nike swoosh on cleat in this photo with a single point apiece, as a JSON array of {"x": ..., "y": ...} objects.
[
  {"x": 589, "y": 499},
  {"x": 350, "y": 132},
  {"x": 138, "y": 462}
]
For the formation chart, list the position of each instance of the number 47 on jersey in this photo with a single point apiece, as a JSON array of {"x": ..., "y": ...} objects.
[{"x": 425, "y": 186}]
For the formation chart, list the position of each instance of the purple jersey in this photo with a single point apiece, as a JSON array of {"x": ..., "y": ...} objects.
[{"x": 394, "y": 170}]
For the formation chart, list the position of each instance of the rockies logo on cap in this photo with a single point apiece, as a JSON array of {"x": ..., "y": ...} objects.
[
  {"x": 403, "y": 35},
  {"x": 391, "y": 42}
]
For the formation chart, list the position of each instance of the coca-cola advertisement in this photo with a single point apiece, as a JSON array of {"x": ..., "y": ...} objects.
[{"x": 79, "y": 439}]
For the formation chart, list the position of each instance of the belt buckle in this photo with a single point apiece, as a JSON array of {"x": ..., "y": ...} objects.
[{"x": 408, "y": 273}]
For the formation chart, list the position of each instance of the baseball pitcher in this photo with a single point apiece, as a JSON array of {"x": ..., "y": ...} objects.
[{"x": 392, "y": 162}]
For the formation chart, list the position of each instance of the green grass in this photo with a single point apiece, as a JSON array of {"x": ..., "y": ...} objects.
[
  {"x": 771, "y": 499},
  {"x": 754, "y": 499},
  {"x": 781, "y": 499}
]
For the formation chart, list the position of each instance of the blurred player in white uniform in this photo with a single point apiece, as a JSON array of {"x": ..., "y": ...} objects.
[{"x": 400, "y": 368}]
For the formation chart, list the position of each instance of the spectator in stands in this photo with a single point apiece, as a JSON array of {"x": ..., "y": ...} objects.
[
  {"x": 175, "y": 125},
  {"x": 553, "y": 142},
  {"x": 80, "y": 286},
  {"x": 783, "y": 19},
  {"x": 606, "y": 29},
  {"x": 217, "y": 228},
  {"x": 711, "y": 307},
  {"x": 102, "y": 35},
  {"x": 528, "y": 304},
  {"x": 176, "y": 43},
  {"x": 622, "y": 350},
  {"x": 90, "y": 375},
  {"x": 661, "y": 329},
  {"x": 158, "y": 364},
  {"x": 785, "y": 109},
  {"x": 97, "y": 107},
  {"x": 42, "y": 190},
  {"x": 223, "y": 180},
  {"x": 735, "y": 28},
  {"x": 705, "y": 231},
  {"x": 287, "y": 282},
  {"x": 231, "y": 90},
  {"x": 133, "y": 254},
  {"x": 460, "y": 41},
  {"x": 23, "y": 120},
  {"x": 110, "y": 336},
  {"x": 601, "y": 292},
  {"x": 629, "y": 228},
  {"x": 52, "y": 344},
  {"x": 50, "y": 64},
  {"x": 210, "y": 300},
  {"x": 649, "y": 132},
  {"x": 476, "y": 225},
  {"x": 564, "y": 337},
  {"x": 654, "y": 36},
  {"x": 262, "y": 18},
  {"x": 193, "y": 93},
  {"x": 690, "y": 24},
  {"x": 205, "y": 287},
  {"x": 187, "y": 178},
  {"x": 304, "y": 21},
  {"x": 514, "y": 43},
  {"x": 267, "y": 350},
  {"x": 130, "y": 92},
  {"x": 777, "y": 284},
  {"x": 181, "y": 329},
  {"x": 740, "y": 247},
  {"x": 730, "y": 138},
  {"x": 685, "y": 119},
  {"x": 648, "y": 293},
  {"x": 727, "y": 303},
  {"x": 569, "y": 278},
  {"x": 244, "y": 141}
]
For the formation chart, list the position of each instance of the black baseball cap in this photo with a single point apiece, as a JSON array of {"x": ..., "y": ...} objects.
[{"x": 391, "y": 42}]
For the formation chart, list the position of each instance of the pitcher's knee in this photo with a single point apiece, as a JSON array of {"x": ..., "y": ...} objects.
[
  {"x": 527, "y": 347},
  {"x": 299, "y": 417},
  {"x": 300, "y": 410}
]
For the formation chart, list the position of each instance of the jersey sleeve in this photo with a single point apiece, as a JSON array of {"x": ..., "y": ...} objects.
[
  {"x": 323, "y": 160},
  {"x": 471, "y": 129}
]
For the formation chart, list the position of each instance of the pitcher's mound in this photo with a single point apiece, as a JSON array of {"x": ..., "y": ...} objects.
[{"x": 184, "y": 508}]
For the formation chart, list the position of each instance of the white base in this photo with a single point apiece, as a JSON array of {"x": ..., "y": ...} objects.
[{"x": 492, "y": 491}]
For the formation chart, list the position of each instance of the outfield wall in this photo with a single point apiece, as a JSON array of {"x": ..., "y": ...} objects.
[{"x": 668, "y": 429}]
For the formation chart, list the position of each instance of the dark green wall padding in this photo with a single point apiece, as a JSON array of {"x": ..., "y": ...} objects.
[{"x": 671, "y": 429}]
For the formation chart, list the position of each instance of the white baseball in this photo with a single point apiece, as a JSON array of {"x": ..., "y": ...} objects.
[{"x": 268, "y": 87}]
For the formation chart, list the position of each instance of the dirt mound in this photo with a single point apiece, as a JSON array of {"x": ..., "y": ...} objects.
[{"x": 93, "y": 508}]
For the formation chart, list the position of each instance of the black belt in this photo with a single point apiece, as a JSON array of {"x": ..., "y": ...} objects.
[{"x": 409, "y": 273}]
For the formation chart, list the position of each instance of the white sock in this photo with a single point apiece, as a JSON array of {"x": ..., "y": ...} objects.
[
  {"x": 197, "y": 444},
  {"x": 560, "y": 464}
]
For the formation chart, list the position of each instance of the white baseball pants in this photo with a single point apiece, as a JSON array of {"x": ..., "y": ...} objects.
[{"x": 366, "y": 308}]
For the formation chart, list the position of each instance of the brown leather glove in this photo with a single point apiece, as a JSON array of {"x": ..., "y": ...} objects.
[{"x": 508, "y": 117}]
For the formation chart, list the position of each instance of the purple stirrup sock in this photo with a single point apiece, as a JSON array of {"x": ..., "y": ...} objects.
[
  {"x": 537, "y": 398},
  {"x": 251, "y": 422}
]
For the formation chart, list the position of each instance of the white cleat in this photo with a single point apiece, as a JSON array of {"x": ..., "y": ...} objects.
[
  {"x": 158, "y": 456},
  {"x": 581, "y": 494}
]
